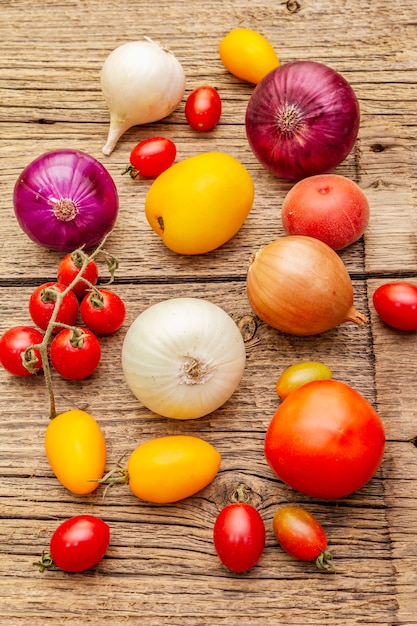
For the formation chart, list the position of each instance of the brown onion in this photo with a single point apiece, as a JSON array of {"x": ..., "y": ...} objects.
[{"x": 299, "y": 285}]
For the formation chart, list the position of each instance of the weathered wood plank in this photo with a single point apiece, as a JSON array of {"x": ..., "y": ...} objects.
[{"x": 161, "y": 567}]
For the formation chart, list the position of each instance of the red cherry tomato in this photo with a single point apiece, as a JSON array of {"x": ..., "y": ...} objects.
[
  {"x": 203, "y": 108},
  {"x": 75, "y": 353},
  {"x": 239, "y": 536},
  {"x": 301, "y": 535},
  {"x": 396, "y": 304},
  {"x": 42, "y": 303},
  {"x": 70, "y": 267},
  {"x": 103, "y": 311},
  {"x": 151, "y": 157},
  {"x": 77, "y": 544},
  {"x": 325, "y": 440},
  {"x": 13, "y": 344}
]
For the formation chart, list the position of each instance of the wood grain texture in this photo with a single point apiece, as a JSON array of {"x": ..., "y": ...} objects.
[{"x": 161, "y": 567}]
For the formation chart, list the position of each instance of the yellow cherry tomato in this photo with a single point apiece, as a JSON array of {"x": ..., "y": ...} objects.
[
  {"x": 168, "y": 469},
  {"x": 199, "y": 203},
  {"x": 299, "y": 374},
  {"x": 76, "y": 450},
  {"x": 246, "y": 54}
]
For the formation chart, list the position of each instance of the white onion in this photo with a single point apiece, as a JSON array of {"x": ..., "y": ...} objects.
[
  {"x": 142, "y": 82},
  {"x": 183, "y": 358}
]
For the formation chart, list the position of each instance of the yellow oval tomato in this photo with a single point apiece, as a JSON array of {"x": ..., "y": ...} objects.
[
  {"x": 246, "y": 54},
  {"x": 299, "y": 374},
  {"x": 199, "y": 203},
  {"x": 76, "y": 450},
  {"x": 168, "y": 469}
]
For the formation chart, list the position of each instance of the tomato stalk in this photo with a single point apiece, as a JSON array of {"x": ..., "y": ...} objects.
[
  {"x": 240, "y": 494},
  {"x": 324, "y": 562},
  {"x": 58, "y": 296},
  {"x": 116, "y": 476},
  {"x": 46, "y": 562}
]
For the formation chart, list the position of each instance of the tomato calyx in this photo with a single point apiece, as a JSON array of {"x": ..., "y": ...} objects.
[
  {"x": 77, "y": 337},
  {"x": 132, "y": 171},
  {"x": 116, "y": 476},
  {"x": 324, "y": 562},
  {"x": 46, "y": 562},
  {"x": 30, "y": 360},
  {"x": 240, "y": 494},
  {"x": 49, "y": 294},
  {"x": 96, "y": 299}
]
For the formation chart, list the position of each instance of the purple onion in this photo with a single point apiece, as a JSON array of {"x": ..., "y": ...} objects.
[
  {"x": 65, "y": 199},
  {"x": 302, "y": 119}
]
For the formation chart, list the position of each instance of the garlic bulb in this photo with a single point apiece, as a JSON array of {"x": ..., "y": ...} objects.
[
  {"x": 142, "y": 82},
  {"x": 183, "y": 357}
]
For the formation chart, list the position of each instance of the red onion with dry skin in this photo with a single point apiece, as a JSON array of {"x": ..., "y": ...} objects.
[
  {"x": 299, "y": 285},
  {"x": 66, "y": 199},
  {"x": 302, "y": 119}
]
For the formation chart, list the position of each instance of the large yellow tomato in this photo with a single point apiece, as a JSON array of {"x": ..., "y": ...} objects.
[
  {"x": 168, "y": 469},
  {"x": 200, "y": 203},
  {"x": 247, "y": 54},
  {"x": 76, "y": 450}
]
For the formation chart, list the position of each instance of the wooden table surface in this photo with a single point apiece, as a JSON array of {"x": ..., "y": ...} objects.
[{"x": 161, "y": 567}]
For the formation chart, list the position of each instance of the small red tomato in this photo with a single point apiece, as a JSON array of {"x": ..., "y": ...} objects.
[
  {"x": 103, "y": 311},
  {"x": 14, "y": 343},
  {"x": 396, "y": 304},
  {"x": 77, "y": 544},
  {"x": 70, "y": 267},
  {"x": 151, "y": 157},
  {"x": 203, "y": 108},
  {"x": 329, "y": 207},
  {"x": 75, "y": 353},
  {"x": 301, "y": 535},
  {"x": 239, "y": 536},
  {"x": 42, "y": 304}
]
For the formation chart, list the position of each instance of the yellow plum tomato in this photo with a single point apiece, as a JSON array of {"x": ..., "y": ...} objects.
[
  {"x": 169, "y": 469},
  {"x": 76, "y": 450},
  {"x": 198, "y": 204},
  {"x": 329, "y": 207},
  {"x": 247, "y": 54}
]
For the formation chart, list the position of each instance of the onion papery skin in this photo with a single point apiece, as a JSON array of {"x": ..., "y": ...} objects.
[
  {"x": 183, "y": 358},
  {"x": 302, "y": 119},
  {"x": 87, "y": 189},
  {"x": 300, "y": 286}
]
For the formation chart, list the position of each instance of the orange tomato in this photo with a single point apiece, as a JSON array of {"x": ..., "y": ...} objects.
[
  {"x": 199, "y": 203},
  {"x": 76, "y": 450},
  {"x": 168, "y": 469},
  {"x": 246, "y": 54}
]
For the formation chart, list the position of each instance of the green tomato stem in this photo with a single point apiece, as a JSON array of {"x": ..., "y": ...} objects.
[
  {"x": 324, "y": 562},
  {"x": 46, "y": 562}
]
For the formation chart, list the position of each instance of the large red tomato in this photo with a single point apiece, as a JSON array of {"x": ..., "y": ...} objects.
[{"x": 325, "y": 440}]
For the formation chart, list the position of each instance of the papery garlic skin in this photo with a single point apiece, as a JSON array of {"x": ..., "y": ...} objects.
[
  {"x": 141, "y": 82},
  {"x": 183, "y": 358}
]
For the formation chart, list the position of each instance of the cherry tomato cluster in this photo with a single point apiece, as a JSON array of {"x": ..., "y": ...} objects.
[{"x": 54, "y": 307}]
